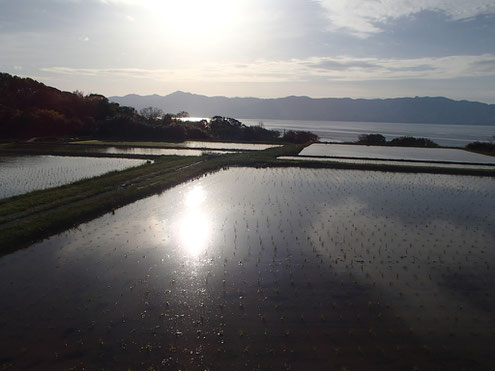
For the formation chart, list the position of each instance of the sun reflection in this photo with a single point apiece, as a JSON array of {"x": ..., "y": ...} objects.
[
  {"x": 195, "y": 197},
  {"x": 194, "y": 229}
]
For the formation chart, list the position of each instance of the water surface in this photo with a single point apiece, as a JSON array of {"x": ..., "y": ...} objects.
[
  {"x": 349, "y": 131},
  {"x": 229, "y": 145},
  {"x": 396, "y": 153},
  {"x": 265, "y": 269},
  {"x": 154, "y": 151},
  {"x": 386, "y": 162},
  {"x": 22, "y": 174},
  {"x": 191, "y": 144}
]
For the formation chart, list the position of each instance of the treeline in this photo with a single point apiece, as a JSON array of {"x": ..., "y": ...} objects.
[
  {"x": 405, "y": 141},
  {"x": 482, "y": 147},
  {"x": 30, "y": 109}
]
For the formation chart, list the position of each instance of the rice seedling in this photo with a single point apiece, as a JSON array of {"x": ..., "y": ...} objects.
[
  {"x": 365, "y": 260},
  {"x": 28, "y": 173}
]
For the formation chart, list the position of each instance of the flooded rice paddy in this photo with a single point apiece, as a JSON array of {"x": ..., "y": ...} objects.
[
  {"x": 265, "y": 269},
  {"x": 228, "y": 145},
  {"x": 154, "y": 151},
  {"x": 387, "y": 162},
  {"x": 192, "y": 144},
  {"x": 396, "y": 153},
  {"x": 22, "y": 174}
]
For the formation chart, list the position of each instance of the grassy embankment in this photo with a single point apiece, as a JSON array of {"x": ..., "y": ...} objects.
[
  {"x": 28, "y": 218},
  {"x": 416, "y": 169}
]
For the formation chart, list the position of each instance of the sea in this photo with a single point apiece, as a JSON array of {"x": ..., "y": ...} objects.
[{"x": 447, "y": 135}]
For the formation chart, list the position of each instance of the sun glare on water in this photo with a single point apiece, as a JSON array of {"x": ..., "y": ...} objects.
[{"x": 194, "y": 230}]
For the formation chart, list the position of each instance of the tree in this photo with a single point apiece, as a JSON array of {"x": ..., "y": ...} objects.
[
  {"x": 368, "y": 139},
  {"x": 483, "y": 147},
  {"x": 182, "y": 114},
  {"x": 78, "y": 93},
  {"x": 225, "y": 128},
  {"x": 151, "y": 114},
  {"x": 299, "y": 136},
  {"x": 412, "y": 142}
]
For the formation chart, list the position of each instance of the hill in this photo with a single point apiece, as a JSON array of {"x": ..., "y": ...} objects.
[
  {"x": 404, "y": 110},
  {"x": 30, "y": 109}
]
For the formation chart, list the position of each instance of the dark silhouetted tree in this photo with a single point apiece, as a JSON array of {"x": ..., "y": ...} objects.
[
  {"x": 483, "y": 147},
  {"x": 412, "y": 142},
  {"x": 151, "y": 114},
  {"x": 299, "y": 136},
  {"x": 371, "y": 139}
]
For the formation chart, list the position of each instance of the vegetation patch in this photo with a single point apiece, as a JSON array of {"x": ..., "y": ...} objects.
[
  {"x": 404, "y": 141},
  {"x": 487, "y": 148},
  {"x": 31, "y": 110}
]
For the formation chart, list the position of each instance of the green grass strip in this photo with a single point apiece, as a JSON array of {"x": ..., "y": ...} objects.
[{"x": 28, "y": 218}]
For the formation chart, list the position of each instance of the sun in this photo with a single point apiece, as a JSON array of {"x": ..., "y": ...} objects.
[
  {"x": 195, "y": 22},
  {"x": 198, "y": 11}
]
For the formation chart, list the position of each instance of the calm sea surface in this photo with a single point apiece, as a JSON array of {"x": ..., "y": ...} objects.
[{"x": 342, "y": 131}]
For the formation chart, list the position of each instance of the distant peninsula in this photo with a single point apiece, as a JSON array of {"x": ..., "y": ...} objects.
[{"x": 429, "y": 110}]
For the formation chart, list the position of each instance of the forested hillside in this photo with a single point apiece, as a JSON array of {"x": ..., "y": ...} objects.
[{"x": 31, "y": 109}]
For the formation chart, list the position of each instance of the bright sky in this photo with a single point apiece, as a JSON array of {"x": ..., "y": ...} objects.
[{"x": 260, "y": 48}]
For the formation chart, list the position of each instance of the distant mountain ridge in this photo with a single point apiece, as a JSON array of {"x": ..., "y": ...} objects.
[
  {"x": 434, "y": 110},
  {"x": 30, "y": 109}
]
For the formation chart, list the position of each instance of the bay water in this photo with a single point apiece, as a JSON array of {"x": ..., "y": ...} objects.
[{"x": 348, "y": 131}]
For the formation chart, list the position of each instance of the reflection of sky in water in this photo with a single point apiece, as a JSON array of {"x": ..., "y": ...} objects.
[
  {"x": 396, "y": 153},
  {"x": 227, "y": 145},
  {"x": 385, "y": 162},
  {"x": 316, "y": 253},
  {"x": 22, "y": 174},
  {"x": 154, "y": 151}
]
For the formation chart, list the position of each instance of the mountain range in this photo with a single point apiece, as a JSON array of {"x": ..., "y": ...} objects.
[{"x": 434, "y": 110}]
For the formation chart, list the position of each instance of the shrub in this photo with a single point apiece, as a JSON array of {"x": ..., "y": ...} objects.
[
  {"x": 376, "y": 139},
  {"x": 412, "y": 142},
  {"x": 299, "y": 136},
  {"x": 485, "y": 147}
]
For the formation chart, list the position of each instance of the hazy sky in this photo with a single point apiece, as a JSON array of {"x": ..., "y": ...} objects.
[{"x": 262, "y": 48}]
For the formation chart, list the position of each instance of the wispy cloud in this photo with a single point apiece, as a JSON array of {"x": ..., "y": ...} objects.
[
  {"x": 302, "y": 46},
  {"x": 310, "y": 69},
  {"x": 365, "y": 17}
]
